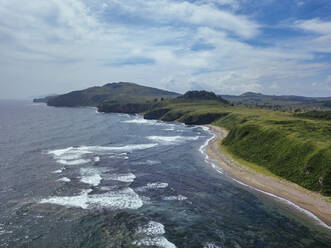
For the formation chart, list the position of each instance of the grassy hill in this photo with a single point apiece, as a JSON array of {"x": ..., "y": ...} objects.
[
  {"x": 321, "y": 115},
  {"x": 295, "y": 148},
  {"x": 113, "y": 93},
  {"x": 286, "y": 103}
]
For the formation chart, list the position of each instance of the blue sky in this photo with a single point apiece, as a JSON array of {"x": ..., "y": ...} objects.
[{"x": 227, "y": 46}]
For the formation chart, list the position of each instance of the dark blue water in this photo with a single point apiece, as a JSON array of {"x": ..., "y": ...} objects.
[{"x": 71, "y": 177}]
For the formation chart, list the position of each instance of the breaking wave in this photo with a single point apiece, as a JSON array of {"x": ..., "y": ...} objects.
[
  {"x": 153, "y": 233},
  {"x": 121, "y": 199},
  {"x": 169, "y": 140},
  {"x": 152, "y": 186},
  {"x": 90, "y": 176}
]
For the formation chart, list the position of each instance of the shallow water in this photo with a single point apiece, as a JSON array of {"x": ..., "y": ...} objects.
[{"x": 72, "y": 177}]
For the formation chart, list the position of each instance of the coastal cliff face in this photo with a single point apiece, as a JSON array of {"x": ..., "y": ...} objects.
[{"x": 129, "y": 108}]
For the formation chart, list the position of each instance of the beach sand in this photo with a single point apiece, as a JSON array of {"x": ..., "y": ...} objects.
[{"x": 272, "y": 186}]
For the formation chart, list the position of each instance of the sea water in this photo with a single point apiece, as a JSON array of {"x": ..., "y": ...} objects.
[{"x": 72, "y": 177}]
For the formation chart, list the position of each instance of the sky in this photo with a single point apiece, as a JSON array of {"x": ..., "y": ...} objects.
[{"x": 277, "y": 47}]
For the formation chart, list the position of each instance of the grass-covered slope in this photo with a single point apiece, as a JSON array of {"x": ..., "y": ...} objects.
[
  {"x": 297, "y": 149},
  {"x": 113, "y": 93},
  {"x": 321, "y": 115},
  {"x": 285, "y": 103}
]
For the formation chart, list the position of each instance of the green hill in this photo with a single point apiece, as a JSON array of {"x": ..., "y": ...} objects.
[
  {"x": 113, "y": 93},
  {"x": 287, "y": 103},
  {"x": 295, "y": 148}
]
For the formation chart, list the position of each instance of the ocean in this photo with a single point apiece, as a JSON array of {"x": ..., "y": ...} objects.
[{"x": 73, "y": 177}]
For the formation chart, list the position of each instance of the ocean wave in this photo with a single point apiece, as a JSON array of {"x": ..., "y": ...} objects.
[
  {"x": 77, "y": 155},
  {"x": 90, "y": 176},
  {"x": 175, "y": 198},
  {"x": 73, "y": 162},
  {"x": 211, "y": 245},
  {"x": 126, "y": 178},
  {"x": 141, "y": 121},
  {"x": 3, "y": 230},
  {"x": 121, "y": 199},
  {"x": 172, "y": 139},
  {"x": 152, "y": 186},
  {"x": 153, "y": 233},
  {"x": 288, "y": 202},
  {"x": 58, "y": 171},
  {"x": 148, "y": 162},
  {"x": 64, "y": 179}
]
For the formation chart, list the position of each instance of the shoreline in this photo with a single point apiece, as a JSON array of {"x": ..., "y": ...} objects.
[{"x": 310, "y": 203}]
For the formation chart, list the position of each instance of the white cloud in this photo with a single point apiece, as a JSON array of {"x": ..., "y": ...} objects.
[
  {"x": 55, "y": 46},
  {"x": 169, "y": 11},
  {"x": 314, "y": 25}
]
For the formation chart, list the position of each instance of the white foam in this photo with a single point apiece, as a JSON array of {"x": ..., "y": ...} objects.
[
  {"x": 141, "y": 121},
  {"x": 154, "y": 232},
  {"x": 3, "y": 230},
  {"x": 76, "y": 155},
  {"x": 126, "y": 178},
  {"x": 169, "y": 129},
  {"x": 171, "y": 139},
  {"x": 148, "y": 162},
  {"x": 73, "y": 162},
  {"x": 152, "y": 186},
  {"x": 310, "y": 214},
  {"x": 90, "y": 176},
  {"x": 211, "y": 245},
  {"x": 60, "y": 152},
  {"x": 64, "y": 179},
  {"x": 121, "y": 199},
  {"x": 202, "y": 150},
  {"x": 152, "y": 228},
  {"x": 175, "y": 198},
  {"x": 161, "y": 242},
  {"x": 58, "y": 171}
]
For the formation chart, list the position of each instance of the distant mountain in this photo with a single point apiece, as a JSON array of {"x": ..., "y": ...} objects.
[
  {"x": 258, "y": 99},
  {"x": 112, "y": 93}
]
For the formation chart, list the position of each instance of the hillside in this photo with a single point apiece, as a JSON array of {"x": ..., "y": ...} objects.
[
  {"x": 295, "y": 148},
  {"x": 113, "y": 93},
  {"x": 286, "y": 103},
  {"x": 320, "y": 115}
]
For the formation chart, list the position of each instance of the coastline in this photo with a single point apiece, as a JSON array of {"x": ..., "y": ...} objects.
[{"x": 310, "y": 203}]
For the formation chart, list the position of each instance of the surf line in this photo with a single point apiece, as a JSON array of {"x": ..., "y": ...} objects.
[{"x": 202, "y": 150}]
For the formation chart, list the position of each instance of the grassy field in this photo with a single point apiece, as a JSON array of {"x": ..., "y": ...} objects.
[{"x": 295, "y": 148}]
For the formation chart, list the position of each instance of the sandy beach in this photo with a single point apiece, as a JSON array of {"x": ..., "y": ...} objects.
[{"x": 310, "y": 202}]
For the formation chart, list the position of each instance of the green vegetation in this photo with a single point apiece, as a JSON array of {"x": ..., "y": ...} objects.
[
  {"x": 327, "y": 104},
  {"x": 321, "y": 115},
  {"x": 113, "y": 93},
  {"x": 297, "y": 149},
  {"x": 281, "y": 103}
]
